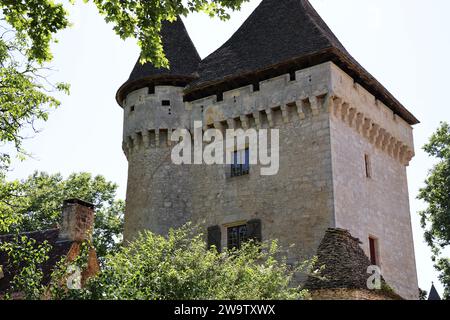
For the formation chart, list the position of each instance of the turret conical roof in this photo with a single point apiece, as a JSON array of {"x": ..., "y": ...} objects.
[{"x": 181, "y": 53}]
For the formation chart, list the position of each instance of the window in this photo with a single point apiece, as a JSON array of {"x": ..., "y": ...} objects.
[
  {"x": 236, "y": 236},
  {"x": 373, "y": 244},
  {"x": 132, "y": 109},
  {"x": 241, "y": 163},
  {"x": 166, "y": 103},
  {"x": 368, "y": 166}
]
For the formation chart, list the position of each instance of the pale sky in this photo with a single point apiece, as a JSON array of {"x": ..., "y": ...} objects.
[{"x": 404, "y": 43}]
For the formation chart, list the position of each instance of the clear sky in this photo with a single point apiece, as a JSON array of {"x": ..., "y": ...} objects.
[{"x": 405, "y": 44}]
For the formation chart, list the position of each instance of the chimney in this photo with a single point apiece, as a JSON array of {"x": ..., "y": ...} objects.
[{"x": 77, "y": 221}]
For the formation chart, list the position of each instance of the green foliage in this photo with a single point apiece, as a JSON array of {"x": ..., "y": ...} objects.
[
  {"x": 25, "y": 94},
  {"x": 423, "y": 294},
  {"x": 180, "y": 267},
  {"x": 142, "y": 20},
  {"x": 36, "y": 202},
  {"x": 25, "y": 257},
  {"x": 27, "y": 29},
  {"x": 435, "y": 219}
]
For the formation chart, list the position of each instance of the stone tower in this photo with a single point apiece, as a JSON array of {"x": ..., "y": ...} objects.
[
  {"x": 158, "y": 192},
  {"x": 345, "y": 142}
]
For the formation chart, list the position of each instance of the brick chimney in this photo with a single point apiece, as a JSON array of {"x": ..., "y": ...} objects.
[{"x": 77, "y": 221}]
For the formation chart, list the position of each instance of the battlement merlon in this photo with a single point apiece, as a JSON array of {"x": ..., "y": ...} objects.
[{"x": 322, "y": 88}]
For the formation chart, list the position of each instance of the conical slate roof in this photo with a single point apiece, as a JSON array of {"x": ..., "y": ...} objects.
[
  {"x": 434, "y": 295},
  {"x": 181, "y": 53},
  {"x": 279, "y": 37}
]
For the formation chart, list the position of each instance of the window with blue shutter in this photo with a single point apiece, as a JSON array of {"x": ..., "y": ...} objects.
[{"x": 241, "y": 163}]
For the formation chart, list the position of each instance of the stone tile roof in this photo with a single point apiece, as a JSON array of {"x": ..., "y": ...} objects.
[
  {"x": 345, "y": 264},
  {"x": 59, "y": 250},
  {"x": 181, "y": 53},
  {"x": 279, "y": 37}
]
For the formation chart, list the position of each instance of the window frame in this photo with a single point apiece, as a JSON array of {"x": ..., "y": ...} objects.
[
  {"x": 241, "y": 233},
  {"x": 240, "y": 169}
]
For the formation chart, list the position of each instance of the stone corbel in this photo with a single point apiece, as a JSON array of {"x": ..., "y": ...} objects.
[
  {"x": 231, "y": 123},
  {"x": 315, "y": 105},
  {"x": 284, "y": 113},
  {"x": 351, "y": 117},
  {"x": 244, "y": 122},
  {"x": 359, "y": 120},
  {"x": 374, "y": 133},
  {"x": 136, "y": 140},
  {"x": 219, "y": 126},
  {"x": 169, "y": 135},
  {"x": 269, "y": 117},
  {"x": 391, "y": 146},
  {"x": 256, "y": 116},
  {"x": 380, "y": 138},
  {"x": 397, "y": 149},
  {"x": 366, "y": 128},
  {"x": 146, "y": 139},
  {"x": 386, "y": 140},
  {"x": 300, "y": 109},
  {"x": 337, "y": 105},
  {"x": 345, "y": 108}
]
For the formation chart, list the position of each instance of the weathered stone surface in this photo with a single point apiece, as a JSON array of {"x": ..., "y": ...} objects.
[{"x": 327, "y": 126}]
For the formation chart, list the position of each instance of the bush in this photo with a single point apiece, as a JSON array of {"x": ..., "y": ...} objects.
[{"x": 180, "y": 267}]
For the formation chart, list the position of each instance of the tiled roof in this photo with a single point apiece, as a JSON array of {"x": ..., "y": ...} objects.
[
  {"x": 181, "y": 53},
  {"x": 59, "y": 250}
]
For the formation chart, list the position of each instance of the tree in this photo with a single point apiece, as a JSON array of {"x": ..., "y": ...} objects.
[
  {"x": 36, "y": 202},
  {"x": 27, "y": 29},
  {"x": 435, "y": 219},
  {"x": 180, "y": 267}
]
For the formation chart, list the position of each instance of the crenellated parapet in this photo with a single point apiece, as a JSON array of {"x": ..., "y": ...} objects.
[
  {"x": 375, "y": 133},
  {"x": 272, "y": 103}
]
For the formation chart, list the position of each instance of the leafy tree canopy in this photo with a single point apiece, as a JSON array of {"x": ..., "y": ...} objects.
[
  {"x": 435, "y": 218},
  {"x": 36, "y": 202},
  {"x": 180, "y": 266},
  {"x": 27, "y": 29}
]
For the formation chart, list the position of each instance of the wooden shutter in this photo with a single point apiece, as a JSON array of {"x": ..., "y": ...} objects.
[
  {"x": 254, "y": 230},
  {"x": 215, "y": 238}
]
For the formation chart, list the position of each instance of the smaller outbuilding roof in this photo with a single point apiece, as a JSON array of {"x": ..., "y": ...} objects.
[
  {"x": 345, "y": 264},
  {"x": 59, "y": 249}
]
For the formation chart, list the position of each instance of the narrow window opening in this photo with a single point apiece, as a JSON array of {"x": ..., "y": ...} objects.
[
  {"x": 373, "y": 244},
  {"x": 151, "y": 90},
  {"x": 368, "y": 166},
  {"x": 132, "y": 109},
  {"x": 256, "y": 87},
  {"x": 220, "y": 96}
]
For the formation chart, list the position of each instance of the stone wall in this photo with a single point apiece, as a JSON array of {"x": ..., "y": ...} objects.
[
  {"x": 327, "y": 124},
  {"x": 375, "y": 206},
  {"x": 348, "y": 294}
]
